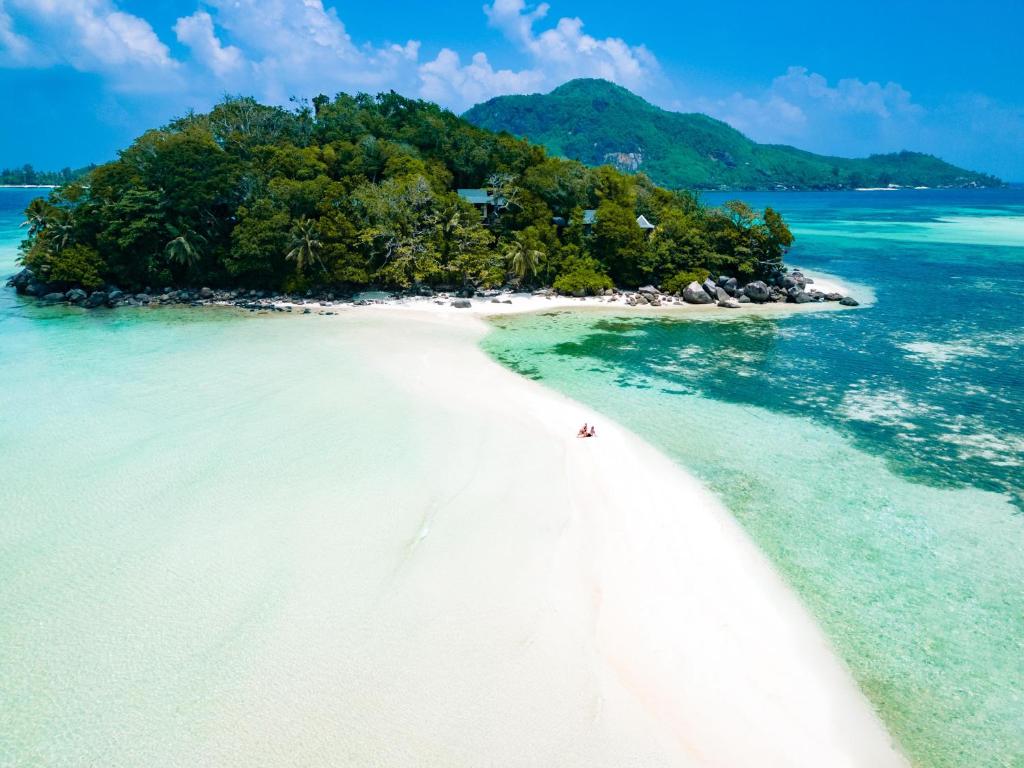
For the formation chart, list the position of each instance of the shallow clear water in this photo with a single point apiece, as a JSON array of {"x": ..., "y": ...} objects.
[
  {"x": 877, "y": 455},
  {"x": 170, "y": 480}
]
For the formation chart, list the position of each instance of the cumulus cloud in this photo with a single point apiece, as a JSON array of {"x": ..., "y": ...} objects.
[
  {"x": 848, "y": 95},
  {"x": 89, "y": 35},
  {"x": 293, "y": 47},
  {"x": 556, "y": 54},
  {"x": 196, "y": 32},
  {"x": 446, "y": 79},
  {"x": 279, "y": 48},
  {"x": 14, "y": 48},
  {"x": 802, "y": 106},
  {"x": 276, "y": 49}
]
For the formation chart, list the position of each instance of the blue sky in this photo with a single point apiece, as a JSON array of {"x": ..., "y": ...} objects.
[{"x": 81, "y": 78}]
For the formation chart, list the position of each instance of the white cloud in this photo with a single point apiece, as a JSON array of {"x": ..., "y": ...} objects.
[
  {"x": 196, "y": 31},
  {"x": 848, "y": 95},
  {"x": 513, "y": 18},
  {"x": 14, "y": 48},
  {"x": 295, "y": 47},
  {"x": 770, "y": 115},
  {"x": 557, "y": 54},
  {"x": 857, "y": 118},
  {"x": 275, "y": 49},
  {"x": 91, "y": 36},
  {"x": 803, "y": 107},
  {"x": 447, "y": 81}
]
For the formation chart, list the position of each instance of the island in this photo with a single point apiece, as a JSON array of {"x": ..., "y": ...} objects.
[
  {"x": 597, "y": 122},
  {"x": 27, "y": 176},
  {"x": 440, "y": 532},
  {"x": 384, "y": 192}
]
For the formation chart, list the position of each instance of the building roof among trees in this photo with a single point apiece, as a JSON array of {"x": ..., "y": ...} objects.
[{"x": 476, "y": 196}]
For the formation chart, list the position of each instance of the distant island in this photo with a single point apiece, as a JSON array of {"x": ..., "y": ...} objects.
[
  {"x": 362, "y": 192},
  {"x": 597, "y": 123},
  {"x": 27, "y": 176}
]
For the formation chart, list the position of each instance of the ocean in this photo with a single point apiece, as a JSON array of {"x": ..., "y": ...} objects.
[{"x": 875, "y": 455}]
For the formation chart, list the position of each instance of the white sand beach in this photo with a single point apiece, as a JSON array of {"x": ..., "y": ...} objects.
[
  {"x": 564, "y": 602},
  {"x": 357, "y": 540},
  {"x": 523, "y": 303}
]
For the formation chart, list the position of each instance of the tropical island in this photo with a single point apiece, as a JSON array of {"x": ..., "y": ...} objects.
[
  {"x": 598, "y": 122},
  {"x": 385, "y": 192},
  {"x": 27, "y": 176}
]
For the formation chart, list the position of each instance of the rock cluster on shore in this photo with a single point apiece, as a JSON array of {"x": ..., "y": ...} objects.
[
  {"x": 111, "y": 297},
  {"x": 726, "y": 292}
]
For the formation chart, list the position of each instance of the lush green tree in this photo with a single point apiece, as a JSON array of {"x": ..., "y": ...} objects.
[
  {"x": 524, "y": 260},
  {"x": 465, "y": 247},
  {"x": 581, "y": 275},
  {"x": 184, "y": 247},
  {"x": 355, "y": 191},
  {"x": 346, "y": 263},
  {"x": 77, "y": 265},
  {"x": 562, "y": 185},
  {"x": 400, "y": 218},
  {"x": 38, "y": 215},
  {"x": 777, "y": 240},
  {"x": 259, "y": 242},
  {"x": 305, "y": 246},
  {"x": 619, "y": 242}
]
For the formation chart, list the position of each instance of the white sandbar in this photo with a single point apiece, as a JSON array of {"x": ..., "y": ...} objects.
[{"x": 568, "y": 602}]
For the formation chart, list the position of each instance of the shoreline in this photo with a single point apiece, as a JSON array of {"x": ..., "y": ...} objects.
[
  {"x": 791, "y": 291},
  {"x": 545, "y": 599},
  {"x": 506, "y": 304},
  {"x": 697, "y": 653}
]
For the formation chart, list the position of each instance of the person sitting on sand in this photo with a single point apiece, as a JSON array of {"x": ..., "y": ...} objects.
[
  {"x": 592, "y": 432},
  {"x": 583, "y": 431}
]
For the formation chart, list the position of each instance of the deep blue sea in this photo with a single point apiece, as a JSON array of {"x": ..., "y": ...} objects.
[{"x": 876, "y": 455}]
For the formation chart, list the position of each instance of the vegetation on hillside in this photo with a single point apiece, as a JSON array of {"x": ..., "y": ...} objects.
[
  {"x": 596, "y": 122},
  {"x": 29, "y": 176},
  {"x": 361, "y": 191}
]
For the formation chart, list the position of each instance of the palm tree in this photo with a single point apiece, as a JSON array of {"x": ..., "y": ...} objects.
[
  {"x": 37, "y": 216},
  {"x": 305, "y": 246},
  {"x": 522, "y": 260},
  {"x": 60, "y": 229},
  {"x": 183, "y": 249},
  {"x": 448, "y": 223}
]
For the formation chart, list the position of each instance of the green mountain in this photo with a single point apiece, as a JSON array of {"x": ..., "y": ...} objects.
[{"x": 597, "y": 123}]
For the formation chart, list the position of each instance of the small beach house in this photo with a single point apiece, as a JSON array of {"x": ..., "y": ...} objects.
[{"x": 483, "y": 201}]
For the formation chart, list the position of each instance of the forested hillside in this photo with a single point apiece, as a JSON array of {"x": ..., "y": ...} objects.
[
  {"x": 358, "y": 191},
  {"x": 596, "y": 122}
]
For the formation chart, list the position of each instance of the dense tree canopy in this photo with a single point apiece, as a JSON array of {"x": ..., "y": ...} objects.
[
  {"x": 357, "y": 191},
  {"x": 597, "y": 122}
]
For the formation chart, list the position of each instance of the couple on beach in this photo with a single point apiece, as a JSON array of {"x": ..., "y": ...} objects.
[{"x": 584, "y": 432}]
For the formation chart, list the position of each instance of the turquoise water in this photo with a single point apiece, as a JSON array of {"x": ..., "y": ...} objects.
[
  {"x": 876, "y": 455},
  {"x": 182, "y": 510}
]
